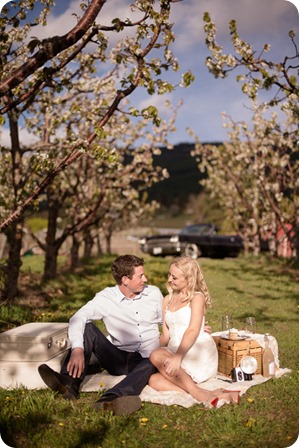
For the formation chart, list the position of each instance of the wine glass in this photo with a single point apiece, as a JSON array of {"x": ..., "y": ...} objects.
[
  {"x": 250, "y": 324},
  {"x": 227, "y": 322}
]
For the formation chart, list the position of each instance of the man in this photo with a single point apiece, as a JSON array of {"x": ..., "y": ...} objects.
[{"x": 131, "y": 312}]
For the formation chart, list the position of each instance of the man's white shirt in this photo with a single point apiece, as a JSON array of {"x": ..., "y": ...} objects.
[{"x": 131, "y": 324}]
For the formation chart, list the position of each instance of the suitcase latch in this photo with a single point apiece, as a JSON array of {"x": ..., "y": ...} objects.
[{"x": 50, "y": 342}]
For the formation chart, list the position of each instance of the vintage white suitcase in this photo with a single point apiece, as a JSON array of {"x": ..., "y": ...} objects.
[{"x": 24, "y": 348}]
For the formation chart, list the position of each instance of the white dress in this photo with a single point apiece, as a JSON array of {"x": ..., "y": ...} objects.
[{"x": 201, "y": 361}]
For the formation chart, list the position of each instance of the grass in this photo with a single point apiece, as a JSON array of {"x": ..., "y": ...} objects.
[{"x": 266, "y": 417}]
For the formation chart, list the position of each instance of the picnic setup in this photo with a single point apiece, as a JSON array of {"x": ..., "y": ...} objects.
[
  {"x": 243, "y": 355},
  {"x": 241, "y": 361}
]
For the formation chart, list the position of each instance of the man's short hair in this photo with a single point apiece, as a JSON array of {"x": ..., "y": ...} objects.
[{"x": 125, "y": 266}]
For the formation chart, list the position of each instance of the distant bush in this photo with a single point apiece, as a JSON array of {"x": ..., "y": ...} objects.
[{"x": 36, "y": 223}]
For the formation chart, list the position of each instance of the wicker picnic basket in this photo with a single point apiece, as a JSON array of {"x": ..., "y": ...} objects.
[{"x": 231, "y": 352}]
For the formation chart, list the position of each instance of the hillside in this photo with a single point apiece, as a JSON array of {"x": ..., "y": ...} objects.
[{"x": 184, "y": 176}]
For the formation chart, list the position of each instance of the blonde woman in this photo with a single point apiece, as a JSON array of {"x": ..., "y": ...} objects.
[{"x": 187, "y": 355}]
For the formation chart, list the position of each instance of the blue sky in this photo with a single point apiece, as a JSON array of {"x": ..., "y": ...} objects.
[{"x": 259, "y": 22}]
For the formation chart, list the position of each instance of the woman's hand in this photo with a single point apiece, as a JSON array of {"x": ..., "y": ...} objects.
[{"x": 172, "y": 365}]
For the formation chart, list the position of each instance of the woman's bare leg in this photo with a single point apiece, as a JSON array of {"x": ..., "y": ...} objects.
[
  {"x": 158, "y": 382},
  {"x": 183, "y": 381}
]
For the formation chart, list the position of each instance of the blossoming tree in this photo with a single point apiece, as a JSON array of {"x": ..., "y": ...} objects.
[{"x": 255, "y": 174}]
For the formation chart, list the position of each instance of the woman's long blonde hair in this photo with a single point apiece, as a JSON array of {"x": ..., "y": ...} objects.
[{"x": 195, "y": 279}]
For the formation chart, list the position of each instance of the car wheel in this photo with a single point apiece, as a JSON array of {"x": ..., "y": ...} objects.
[{"x": 193, "y": 251}]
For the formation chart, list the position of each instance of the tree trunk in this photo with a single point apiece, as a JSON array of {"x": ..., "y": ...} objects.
[
  {"x": 246, "y": 245},
  {"x": 14, "y": 232},
  {"x": 273, "y": 240},
  {"x": 295, "y": 241},
  {"x": 50, "y": 269},
  {"x": 99, "y": 245},
  {"x": 75, "y": 252},
  {"x": 51, "y": 247},
  {"x": 108, "y": 237},
  {"x": 14, "y": 262},
  {"x": 88, "y": 243},
  {"x": 256, "y": 245}
]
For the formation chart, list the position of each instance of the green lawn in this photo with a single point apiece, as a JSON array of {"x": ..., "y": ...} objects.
[{"x": 267, "y": 416}]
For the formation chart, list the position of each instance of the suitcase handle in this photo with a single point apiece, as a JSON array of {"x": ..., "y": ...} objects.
[{"x": 62, "y": 344}]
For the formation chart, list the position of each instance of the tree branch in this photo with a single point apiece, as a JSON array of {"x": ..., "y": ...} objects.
[
  {"x": 51, "y": 47},
  {"x": 75, "y": 152}
]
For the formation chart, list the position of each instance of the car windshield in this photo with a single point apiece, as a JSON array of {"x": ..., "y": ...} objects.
[{"x": 199, "y": 229}]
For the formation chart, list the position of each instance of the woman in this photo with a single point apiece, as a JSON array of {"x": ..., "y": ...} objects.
[{"x": 187, "y": 354}]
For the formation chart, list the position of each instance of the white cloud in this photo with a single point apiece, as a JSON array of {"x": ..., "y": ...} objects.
[
  {"x": 25, "y": 138},
  {"x": 61, "y": 23},
  {"x": 259, "y": 22},
  {"x": 158, "y": 101},
  {"x": 252, "y": 16}
]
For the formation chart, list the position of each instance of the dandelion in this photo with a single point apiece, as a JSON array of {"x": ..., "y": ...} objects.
[
  {"x": 102, "y": 384},
  {"x": 143, "y": 420},
  {"x": 60, "y": 424},
  {"x": 250, "y": 422},
  {"x": 250, "y": 400}
]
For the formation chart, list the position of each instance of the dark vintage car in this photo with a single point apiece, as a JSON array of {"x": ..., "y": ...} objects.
[{"x": 195, "y": 241}]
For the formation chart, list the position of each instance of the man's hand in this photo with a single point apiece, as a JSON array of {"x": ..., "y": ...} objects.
[{"x": 75, "y": 365}]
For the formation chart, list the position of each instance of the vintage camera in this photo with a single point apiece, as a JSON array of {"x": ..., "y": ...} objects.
[{"x": 239, "y": 375}]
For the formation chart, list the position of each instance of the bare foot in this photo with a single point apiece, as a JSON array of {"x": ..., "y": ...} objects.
[
  {"x": 231, "y": 396},
  {"x": 212, "y": 397},
  {"x": 205, "y": 396}
]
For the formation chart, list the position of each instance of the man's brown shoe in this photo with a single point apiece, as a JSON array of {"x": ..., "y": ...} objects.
[
  {"x": 120, "y": 405},
  {"x": 62, "y": 384}
]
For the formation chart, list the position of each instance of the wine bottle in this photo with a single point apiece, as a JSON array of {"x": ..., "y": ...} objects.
[{"x": 268, "y": 359}]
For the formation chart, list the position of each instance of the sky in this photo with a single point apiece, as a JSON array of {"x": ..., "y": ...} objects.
[{"x": 258, "y": 22}]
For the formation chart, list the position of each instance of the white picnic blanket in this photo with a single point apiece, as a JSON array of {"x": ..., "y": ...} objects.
[{"x": 103, "y": 381}]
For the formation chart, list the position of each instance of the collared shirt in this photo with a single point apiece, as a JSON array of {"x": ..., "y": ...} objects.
[{"x": 131, "y": 324}]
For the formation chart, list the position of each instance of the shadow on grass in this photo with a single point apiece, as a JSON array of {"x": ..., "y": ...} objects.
[
  {"x": 41, "y": 429},
  {"x": 90, "y": 438},
  {"x": 258, "y": 276},
  {"x": 16, "y": 436},
  {"x": 279, "y": 292},
  {"x": 262, "y": 268},
  {"x": 262, "y": 315},
  {"x": 14, "y": 431}
]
